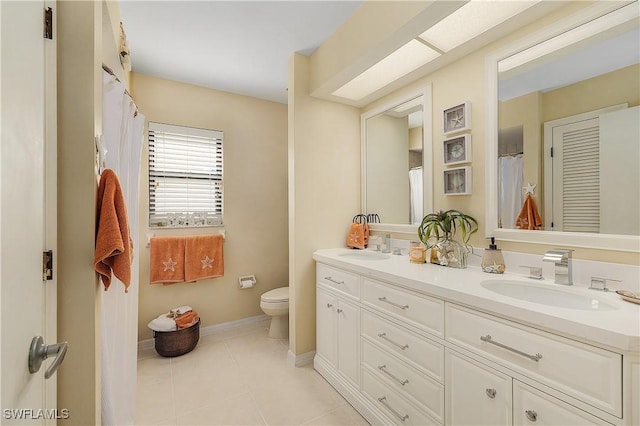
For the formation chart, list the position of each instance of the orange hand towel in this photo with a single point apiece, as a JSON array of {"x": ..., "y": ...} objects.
[
  {"x": 528, "y": 218},
  {"x": 187, "y": 319},
  {"x": 356, "y": 236},
  {"x": 113, "y": 243},
  {"x": 203, "y": 257},
  {"x": 166, "y": 260}
]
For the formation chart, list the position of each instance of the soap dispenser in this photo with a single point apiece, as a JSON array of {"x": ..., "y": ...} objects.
[{"x": 492, "y": 260}]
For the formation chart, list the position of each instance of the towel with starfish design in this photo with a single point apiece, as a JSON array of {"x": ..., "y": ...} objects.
[
  {"x": 203, "y": 257},
  {"x": 167, "y": 260}
]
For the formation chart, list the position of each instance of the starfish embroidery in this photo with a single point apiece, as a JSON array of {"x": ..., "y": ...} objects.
[
  {"x": 206, "y": 262},
  {"x": 170, "y": 265},
  {"x": 355, "y": 237}
]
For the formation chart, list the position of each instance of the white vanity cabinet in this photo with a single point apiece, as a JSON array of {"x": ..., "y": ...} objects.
[
  {"x": 414, "y": 358},
  {"x": 338, "y": 322}
]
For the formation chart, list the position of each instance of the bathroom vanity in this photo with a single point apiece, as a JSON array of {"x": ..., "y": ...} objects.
[{"x": 417, "y": 344}]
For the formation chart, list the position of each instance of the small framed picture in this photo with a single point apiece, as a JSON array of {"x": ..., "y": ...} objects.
[
  {"x": 457, "y": 118},
  {"x": 457, "y": 181},
  {"x": 457, "y": 150}
]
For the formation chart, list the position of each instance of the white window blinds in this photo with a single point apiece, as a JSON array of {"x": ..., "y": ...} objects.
[{"x": 185, "y": 176}]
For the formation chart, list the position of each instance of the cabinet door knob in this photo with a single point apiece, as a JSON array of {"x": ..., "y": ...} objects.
[
  {"x": 531, "y": 415},
  {"x": 339, "y": 310},
  {"x": 329, "y": 305},
  {"x": 491, "y": 393}
]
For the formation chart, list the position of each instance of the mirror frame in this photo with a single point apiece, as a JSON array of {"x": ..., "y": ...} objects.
[
  {"x": 629, "y": 243},
  {"x": 427, "y": 155}
]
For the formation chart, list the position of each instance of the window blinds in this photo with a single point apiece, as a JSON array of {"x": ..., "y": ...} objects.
[{"x": 185, "y": 176}]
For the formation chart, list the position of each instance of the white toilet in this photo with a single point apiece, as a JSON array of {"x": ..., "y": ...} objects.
[{"x": 275, "y": 303}]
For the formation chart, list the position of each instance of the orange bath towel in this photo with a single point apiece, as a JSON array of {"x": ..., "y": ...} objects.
[
  {"x": 528, "y": 218},
  {"x": 166, "y": 260},
  {"x": 356, "y": 236},
  {"x": 203, "y": 257},
  {"x": 114, "y": 248}
]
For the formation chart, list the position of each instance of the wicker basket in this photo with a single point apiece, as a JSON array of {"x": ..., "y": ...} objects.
[{"x": 179, "y": 342}]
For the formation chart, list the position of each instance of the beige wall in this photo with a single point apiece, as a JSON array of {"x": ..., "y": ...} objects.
[
  {"x": 324, "y": 191},
  {"x": 255, "y": 199}
]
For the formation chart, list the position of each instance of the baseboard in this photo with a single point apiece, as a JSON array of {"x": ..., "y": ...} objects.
[
  {"x": 212, "y": 329},
  {"x": 300, "y": 360}
]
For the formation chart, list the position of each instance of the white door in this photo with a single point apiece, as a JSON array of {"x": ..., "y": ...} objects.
[
  {"x": 326, "y": 326},
  {"x": 27, "y": 227},
  {"x": 349, "y": 339}
]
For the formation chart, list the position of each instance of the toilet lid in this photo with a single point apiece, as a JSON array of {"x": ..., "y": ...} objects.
[{"x": 276, "y": 295}]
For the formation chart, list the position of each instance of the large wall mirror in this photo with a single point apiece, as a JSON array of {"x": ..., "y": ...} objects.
[
  {"x": 396, "y": 161},
  {"x": 564, "y": 118}
]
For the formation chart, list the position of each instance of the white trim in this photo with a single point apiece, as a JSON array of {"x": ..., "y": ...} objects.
[
  {"x": 294, "y": 360},
  {"x": 564, "y": 239},
  {"x": 210, "y": 330},
  {"x": 427, "y": 149}
]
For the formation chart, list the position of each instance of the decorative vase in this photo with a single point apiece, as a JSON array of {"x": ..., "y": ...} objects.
[{"x": 447, "y": 252}]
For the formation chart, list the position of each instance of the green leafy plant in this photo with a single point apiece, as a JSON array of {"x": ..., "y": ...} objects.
[{"x": 443, "y": 225}]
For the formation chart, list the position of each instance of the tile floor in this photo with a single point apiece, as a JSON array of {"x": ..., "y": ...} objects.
[{"x": 236, "y": 377}]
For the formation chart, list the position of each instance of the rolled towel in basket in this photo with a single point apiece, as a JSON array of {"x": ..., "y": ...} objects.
[
  {"x": 163, "y": 323},
  {"x": 187, "y": 320}
]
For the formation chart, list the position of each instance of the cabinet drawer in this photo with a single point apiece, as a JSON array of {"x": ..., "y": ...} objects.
[
  {"x": 533, "y": 407},
  {"x": 338, "y": 279},
  {"x": 422, "y": 311},
  {"x": 418, "y": 351},
  {"x": 484, "y": 393},
  {"x": 591, "y": 374},
  {"x": 405, "y": 379},
  {"x": 398, "y": 409}
]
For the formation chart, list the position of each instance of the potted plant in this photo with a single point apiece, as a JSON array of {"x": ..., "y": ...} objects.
[{"x": 437, "y": 231}]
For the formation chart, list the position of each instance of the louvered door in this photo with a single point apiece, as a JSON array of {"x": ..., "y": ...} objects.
[{"x": 576, "y": 177}]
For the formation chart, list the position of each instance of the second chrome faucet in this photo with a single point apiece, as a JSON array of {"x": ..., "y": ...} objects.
[{"x": 562, "y": 259}]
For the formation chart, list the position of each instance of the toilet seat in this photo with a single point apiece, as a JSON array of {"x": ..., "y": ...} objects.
[{"x": 276, "y": 295}]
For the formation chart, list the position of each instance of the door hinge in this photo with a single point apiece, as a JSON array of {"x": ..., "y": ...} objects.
[
  {"x": 47, "y": 265},
  {"x": 551, "y": 152},
  {"x": 552, "y": 224},
  {"x": 48, "y": 23}
]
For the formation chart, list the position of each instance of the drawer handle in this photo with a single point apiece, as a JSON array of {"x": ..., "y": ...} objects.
[
  {"x": 491, "y": 393},
  {"x": 384, "y": 336},
  {"x": 333, "y": 281},
  {"x": 383, "y": 368},
  {"x": 383, "y": 401},
  {"x": 537, "y": 357},
  {"x": 397, "y": 305},
  {"x": 531, "y": 415}
]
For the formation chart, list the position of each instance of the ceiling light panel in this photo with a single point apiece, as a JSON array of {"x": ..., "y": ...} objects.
[
  {"x": 471, "y": 20},
  {"x": 408, "y": 58}
]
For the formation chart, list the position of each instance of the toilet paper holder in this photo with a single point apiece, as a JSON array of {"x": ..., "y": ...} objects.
[{"x": 247, "y": 281}]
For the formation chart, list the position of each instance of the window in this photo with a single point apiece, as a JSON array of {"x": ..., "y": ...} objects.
[{"x": 185, "y": 176}]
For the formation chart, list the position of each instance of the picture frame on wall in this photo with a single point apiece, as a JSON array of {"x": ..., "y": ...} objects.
[
  {"x": 456, "y": 118},
  {"x": 457, "y": 150},
  {"x": 457, "y": 181}
]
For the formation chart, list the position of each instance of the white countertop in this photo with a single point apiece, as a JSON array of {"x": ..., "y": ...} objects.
[{"x": 618, "y": 329}]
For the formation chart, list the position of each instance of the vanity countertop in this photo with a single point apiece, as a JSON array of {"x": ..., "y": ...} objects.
[{"x": 618, "y": 329}]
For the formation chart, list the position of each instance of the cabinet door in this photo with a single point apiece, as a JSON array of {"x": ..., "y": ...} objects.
[
  {"x": 348, "y": 339},
  {"x": 326, "y": 326},
  {"x": 475, "y": 393},
  {"x": 533, "y": 407}
]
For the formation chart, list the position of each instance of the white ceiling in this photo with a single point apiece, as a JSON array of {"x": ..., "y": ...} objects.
[{"x": 240, "y": 47}]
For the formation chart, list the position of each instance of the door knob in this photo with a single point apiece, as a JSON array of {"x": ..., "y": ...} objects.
[{"x": 38, "y": 352}]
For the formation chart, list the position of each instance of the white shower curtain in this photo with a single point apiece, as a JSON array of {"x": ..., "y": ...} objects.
[
  {"x": 415, "y": 186},
  {"x": 122, "y": 135},
  {"x": 510, "y": 176}
]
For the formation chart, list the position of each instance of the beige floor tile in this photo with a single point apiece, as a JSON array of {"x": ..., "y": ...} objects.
[
  {"x": 344, "y": 415},
  {"x": 238, "y": 410}
]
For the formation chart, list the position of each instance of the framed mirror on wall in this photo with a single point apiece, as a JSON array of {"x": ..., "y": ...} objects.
[
  {"x": 396, "y": 161},
  {"x": 563, "y": 116}
]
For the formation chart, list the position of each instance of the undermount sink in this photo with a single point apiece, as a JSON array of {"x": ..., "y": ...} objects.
[
  {"x": 364, "y": 255},
  {"x": 542, "y": 294}
]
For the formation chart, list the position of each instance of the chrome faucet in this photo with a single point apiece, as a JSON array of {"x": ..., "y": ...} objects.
[{"x": 562, "y": 260}]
